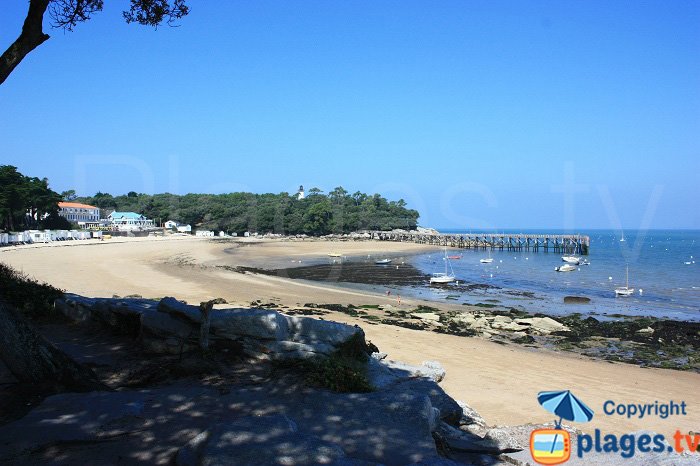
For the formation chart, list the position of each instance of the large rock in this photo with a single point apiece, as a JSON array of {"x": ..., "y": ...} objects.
[
  {"x": 256, "y": 323},
  {"x": 383, "y": 373},
  {"x": 257, "y": 441},
  {"x": 308, "y": 330},
  {"x": 542, "y": 325},
  {"x": 495, "y": 442},
  {"x": 173, "y": 327},
  {"x": 505, "y": 323}
]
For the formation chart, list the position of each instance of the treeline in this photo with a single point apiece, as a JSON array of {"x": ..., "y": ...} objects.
[
  {"x": 317, "y": 214},
  {"x": 27, "y": 202}
]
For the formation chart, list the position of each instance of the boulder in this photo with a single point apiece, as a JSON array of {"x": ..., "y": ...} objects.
[
  {"x": 308, "y": 330},
  {"x": 470, "y": 420},
  {"x": 495, "y": 442},
  {"x": 576, "y": 300},
  {"x": 179, "y": 309},
  {"x": 505, "y": 323},
  {"x": 280, "y": 350},
  {"x": 383, "y": 373},
  {"x": 648, "y": 331},
  {"x": 430, "y": 316},
  {"x": 256, "y": 323},
  {"x": 260, "y": 440},
  {"x": 542, "y": 325}
]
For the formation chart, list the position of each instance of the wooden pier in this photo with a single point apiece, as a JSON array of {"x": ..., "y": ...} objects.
[{"x": 563, "y": 244}]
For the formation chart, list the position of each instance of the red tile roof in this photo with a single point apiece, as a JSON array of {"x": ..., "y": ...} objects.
[{"x": 75, "y": 205}]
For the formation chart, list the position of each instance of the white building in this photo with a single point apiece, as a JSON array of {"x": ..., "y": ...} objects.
[
  {"x": 180, "y": 227},
  {"x": 126, "y": 221},
  {"x": 76, "y": 212},
  {"x": 300, "y": 193}
]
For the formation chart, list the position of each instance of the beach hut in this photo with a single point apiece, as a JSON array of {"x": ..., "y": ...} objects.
[
  {"x": 37, "y": 236},
  {"x": 4, "y": 239},
  {"x": 96, "y": 234}
]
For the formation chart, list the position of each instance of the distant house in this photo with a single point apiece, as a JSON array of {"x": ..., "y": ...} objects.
[
  {"x": 180, "y": 227},
  {"x": 76, "y": 212},
  {"x": 125, "y": 221}
]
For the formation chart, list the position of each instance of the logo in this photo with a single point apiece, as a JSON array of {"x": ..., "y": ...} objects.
[{"x": 553, "y": 446}]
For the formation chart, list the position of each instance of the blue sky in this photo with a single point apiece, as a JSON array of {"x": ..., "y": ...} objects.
[{"x": 486, "y": 114}]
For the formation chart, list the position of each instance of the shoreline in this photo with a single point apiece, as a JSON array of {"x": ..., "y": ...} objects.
[{"x": 500, "y": 381}]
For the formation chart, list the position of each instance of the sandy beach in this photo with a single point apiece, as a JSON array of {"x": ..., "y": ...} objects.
[{"x": 500, "y": 381}]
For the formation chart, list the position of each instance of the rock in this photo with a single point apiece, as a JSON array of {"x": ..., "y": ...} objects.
[
  {"x": 382, "y": 373},
  {"x": 465, "y": 317},
  {"x": 256, "y": 323},
  {"x": 449, "y": 410},
  {"x": 470, "y": 420},
  {"x": 308, "y": 330},
  {"x": 495, "y": 442},
  {"x": 430, "y": 316},
  {"x": 542, "y": 325},
  {"x": 576, "y": 300},
  {"x": 280, "y": 350},
  {"x": 260, "y": 440},
  {"x": 482, "y": 323},
  {"x": 379, "y": 356},
  {"x": 648, "y": 331},
  {"x": 179, "y": 309},
  {"x": 505, "y": 323},
  {"x": 161, "y": 333}
]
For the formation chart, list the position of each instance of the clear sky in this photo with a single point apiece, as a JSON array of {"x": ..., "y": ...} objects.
[{"x": 480, "y": 114}]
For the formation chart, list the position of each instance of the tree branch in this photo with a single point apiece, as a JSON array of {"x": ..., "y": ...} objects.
[{"x": 31, "y": 37}]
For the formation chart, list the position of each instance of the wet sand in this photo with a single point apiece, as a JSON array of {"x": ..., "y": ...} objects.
[{"x": 501, "y": 382}]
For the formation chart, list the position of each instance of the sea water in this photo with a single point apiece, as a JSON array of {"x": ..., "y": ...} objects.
[{"x": 664, "y": 270}]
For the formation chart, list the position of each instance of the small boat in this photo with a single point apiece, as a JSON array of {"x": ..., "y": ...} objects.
[
  {"x": 565, "y": 268},
  {"x": 440, "y": 277},
  {"x": 487, "y": 261},
  {"x": 383, "y": 262},
  {"x": 334, "y": 254},
  {"x": 454, "y": 257},
  {"x": 623, "y": 237},
  {"x": 571, "y": 259},
  {"x": 625, "y": 290}
]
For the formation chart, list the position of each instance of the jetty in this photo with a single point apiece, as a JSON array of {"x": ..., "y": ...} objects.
[{"x": 563, "y": 244}]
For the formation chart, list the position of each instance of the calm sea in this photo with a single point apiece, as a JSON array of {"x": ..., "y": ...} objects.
[{"x": 663, "y": 265}]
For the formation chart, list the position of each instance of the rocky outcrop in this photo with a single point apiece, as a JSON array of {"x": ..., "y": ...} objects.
[{"x": 172, "y": 327}]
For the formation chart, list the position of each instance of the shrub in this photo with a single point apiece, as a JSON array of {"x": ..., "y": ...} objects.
[
  {"x": 339, "y": 374},
  {"x": 25, "y": 293}
]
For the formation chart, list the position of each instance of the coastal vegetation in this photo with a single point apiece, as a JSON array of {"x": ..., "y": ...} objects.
[
  {"x": 27, "y": 202},
  {"x": 316, "y": 214},
  {"x": 26, "y": 294}
]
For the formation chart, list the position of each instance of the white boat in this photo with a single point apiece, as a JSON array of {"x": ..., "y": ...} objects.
[
  {"x": 571, "y": 259},
  {"x": 440, "y": 277},
  {"x": 487, "y": 261},
  {"x": 565, "y": 268},
  {"x": 334, "y": 254},
  {"x": 383, "y": 261},
  {"x": 623, "y": 237},
  {"x": 625, "y": 290}
]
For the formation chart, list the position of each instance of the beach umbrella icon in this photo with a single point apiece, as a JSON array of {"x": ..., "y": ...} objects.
[{"x": 565, "y": 405}]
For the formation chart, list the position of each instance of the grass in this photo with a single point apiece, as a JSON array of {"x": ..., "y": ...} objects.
[
  {"x": 345, "y": 371},
  {"x": 26, "y": 294}
]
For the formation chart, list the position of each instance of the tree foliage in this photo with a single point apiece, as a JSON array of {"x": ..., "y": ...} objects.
[
  {"x": 67, "y": 14},
  {"x": 317, "y": 214},
  {"x": 26, "y": 201}
]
